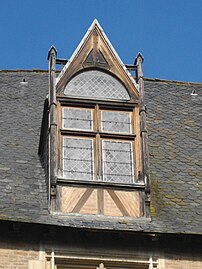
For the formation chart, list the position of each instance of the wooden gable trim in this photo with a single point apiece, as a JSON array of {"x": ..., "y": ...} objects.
[{"x": 96, "y": 44}]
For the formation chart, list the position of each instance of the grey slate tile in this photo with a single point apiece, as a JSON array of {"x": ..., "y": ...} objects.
[{"x": 175, "y": 147}]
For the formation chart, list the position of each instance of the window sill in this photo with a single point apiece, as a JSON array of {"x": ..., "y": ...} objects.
[{"x": 100, "y": 184}]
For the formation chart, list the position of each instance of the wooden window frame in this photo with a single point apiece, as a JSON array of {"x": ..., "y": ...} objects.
[{"x": 97, "y": 107}]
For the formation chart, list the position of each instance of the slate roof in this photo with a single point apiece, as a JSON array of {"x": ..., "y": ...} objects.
[{"x": 175, "y": 153}]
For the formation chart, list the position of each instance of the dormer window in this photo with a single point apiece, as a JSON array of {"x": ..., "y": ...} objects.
[
  {"x": 99, "y": 162},
  {"x": 96, "y": 146}
]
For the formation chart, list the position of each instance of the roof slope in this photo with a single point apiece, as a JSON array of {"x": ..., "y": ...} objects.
[{"x": 175, "y": 147}]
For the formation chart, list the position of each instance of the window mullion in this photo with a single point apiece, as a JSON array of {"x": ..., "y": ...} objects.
[
  {"x": 98, "y": 157},
  {"x": 134, "y": 163},
  {"x": 98, "y": 143},
  {"x": 97, "y": 119}
]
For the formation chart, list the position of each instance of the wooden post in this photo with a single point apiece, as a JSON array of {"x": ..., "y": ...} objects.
[
  {"x": 144, "y": 136},
  {"x": 53, "y": 127}
]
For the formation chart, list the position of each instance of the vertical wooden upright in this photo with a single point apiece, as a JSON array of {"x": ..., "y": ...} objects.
[
  {"x": 53, "y": 127},
  {"x": 144, "y": 135}
]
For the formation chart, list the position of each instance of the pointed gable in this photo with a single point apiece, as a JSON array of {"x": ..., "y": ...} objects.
[{"x": 96, "y": 52}]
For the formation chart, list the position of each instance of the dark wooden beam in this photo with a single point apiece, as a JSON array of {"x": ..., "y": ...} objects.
[
  {"x": 102, "y": 135},
  {"x": 64, "y": 61},
  {"x": 61, "y": 61},
  {"x": 53, "y": 127},
  {"x": 101, "y": 185},
  {"x": 102, "y": 104},
  {"x": 131, "y": 66},
  {"x": 144, "y": 135}
]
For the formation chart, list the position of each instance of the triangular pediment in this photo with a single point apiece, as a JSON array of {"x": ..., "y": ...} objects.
[
  {"x": 96, "y": 58},
  {"x": 96, "y": 52}
]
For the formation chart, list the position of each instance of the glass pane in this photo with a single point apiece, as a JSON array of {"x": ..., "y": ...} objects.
[
  {"x": 95, "y": 84},
  {"x": 75, "y": 118},
  {"x": 78, "y": 158},
  {"x": 117, "y": 161},
  {"x": 116, "y": 121}
]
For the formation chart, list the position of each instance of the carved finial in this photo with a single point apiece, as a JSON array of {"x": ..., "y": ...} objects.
[
  {"x": 52, "y": 50},
  {"x": 101, "y": 266},
  {"x": 139, "y": 58},
  {"x": 138, "y": 61}
]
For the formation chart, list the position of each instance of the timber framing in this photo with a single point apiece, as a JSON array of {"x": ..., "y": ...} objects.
[
  {"x": 53, "y": 127},
  {"x": 97, "y": 134},
  {"x": 144, "y": 136},
  {"x": 99, "y": 184},
  {"x": 96, "y": 53}
]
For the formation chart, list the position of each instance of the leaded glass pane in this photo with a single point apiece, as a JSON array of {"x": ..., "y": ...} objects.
[
  {"x": 95, "y": 84},
  {"x": 115, "y": 121},
  {"x": 117, "y": 161},
  {"x": 75, "y": 118},
  {"x": 78, "y": 158}
]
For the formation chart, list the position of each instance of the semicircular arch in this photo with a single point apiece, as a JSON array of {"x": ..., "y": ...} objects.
[{"x": 96, "y": 84}]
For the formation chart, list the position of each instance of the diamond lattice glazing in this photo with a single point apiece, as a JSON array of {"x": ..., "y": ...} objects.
[
  {"x": 78, "y": 158},
  {"x": 118, "y": 161},
  {"x": 115, "y": 121},
  {"x": 95, "y": 84},
  {"x": 77, "y": 119}
]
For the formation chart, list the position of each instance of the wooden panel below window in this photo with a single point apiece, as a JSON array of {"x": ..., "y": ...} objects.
[{"x": 107, "y": 202}]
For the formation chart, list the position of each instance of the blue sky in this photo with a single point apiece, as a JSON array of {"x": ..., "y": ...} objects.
[{"x": 167, "y": 32}]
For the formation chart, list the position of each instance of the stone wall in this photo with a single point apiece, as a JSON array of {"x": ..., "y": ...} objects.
[
  {"x": 32, "y": 246},
  {"x": 17, "y": 255}
]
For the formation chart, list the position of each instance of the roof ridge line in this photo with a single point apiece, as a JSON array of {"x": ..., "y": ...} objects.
[
  {"x": 24, "y": 70},
  {"x": 173, "y": 81}
]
